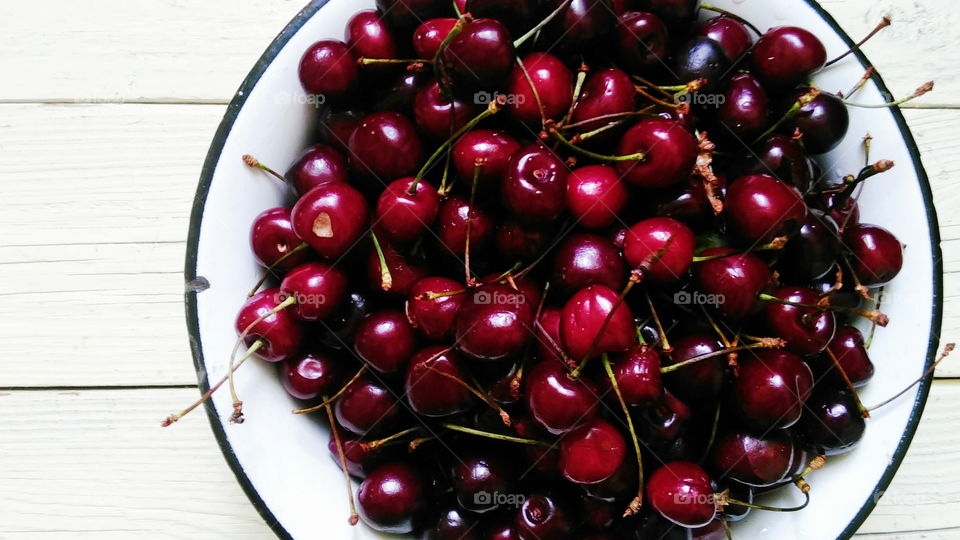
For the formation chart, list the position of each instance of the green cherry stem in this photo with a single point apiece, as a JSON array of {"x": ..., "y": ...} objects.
[
  {"x": 361, "y": 371},
  {"x": 765, "y": 343},
  {"x": 386, "y": 279},
  {"x": 536, "y": 29},
  {"x": 637, "y": 501},
  {"x": 593, "y": 155},
  {"x": 794, "y": 109},
  {"x": 342, "y": 456}
]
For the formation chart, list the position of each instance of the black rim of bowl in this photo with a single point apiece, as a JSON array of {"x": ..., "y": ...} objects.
[{"x": 213, "y": 157}]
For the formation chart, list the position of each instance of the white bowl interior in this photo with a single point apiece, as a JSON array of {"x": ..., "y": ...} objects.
[{"x": 285, "y": 457}]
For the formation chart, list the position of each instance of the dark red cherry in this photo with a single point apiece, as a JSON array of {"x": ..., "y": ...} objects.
[
  {"x": 752, "y": 460},
  {"x": 272, "y": 237},
  {"x": 596, "y": 196},
  {"x": 831, "y": 422},
  {"x": 452, "y": 225},
  {"x": 851, "y": 353},
  {"x": 557, "y": 401},
  {"x": 588, "y": 259},
  {"x": 701, "y": 58},
  {"x": 638, "y": 375},
  {"x": 428, "y": 37},
  {"x": 367, "y": 406},
  {"x": 745, "y": 109},
  {"x": 760, "y": 208},
  {"x": 642, "y": 41},
  {"x": 494, "y": 322},
  {"x": 400, "y": 95},
  {"x": 534, "y": 184},
  {"x": 734, "y": 280},
  {"x": 781, "y": 157},
  {"x": 385, "y": 145},
  {"x": 583, "y": 320},
  {"x": 339, "y": 326},
  {"x": 368, "y": 36},
  {"x": 480, "y": 479},
  {"x": 308, "y": 376},
  {"x": 328, "y": 68},
  {"x": 547, "y": 335},
  {"x": 553, "y": 83},
  {"x": 518, "y": 15},
  {"x": 681, "y": 492},
  {"x": 435, "y": 317},
  {"x": 491, "y": 149},
  {"x": 540, "y": 517},
  {"x": 403, "y": 217},
  {"x": 429, "y": 387},
  {"x": 318, "y": 288},
  {"x": 438, "y": 115},
  {"x": 404, "y": 271},
  {"x": 807, "y": 331},
  {"x": 667, "y": 419},
  {"x": 318, "y": 165},
  {"x": 771, "y": 388},
  {"x": 592, "y": 452},
  {"x": 452, "y": 524},
  {"x": 813, "y": 251},
  {"x": 330, "y": 219},
  {"x": 281, "y": 332},
  {"x": 730, "y": 33},
  {"x": 844, "y": 214},
  {"x": 360, "y": 457},
  {"x": 385, "y": 340},
  {"x": 518, "y": 240},
  {"x": 703, "y": 380},
  {"x": 579, "y": 23},
  {"x": 823, "y": 122},
  {"x": 689, "y": 205},
  {"x": 669, "y": 153},
  {"x": 875, "y": 253},
  {"x": 662, "y": 247},
  {"x": 409, "y": 13},
  {"x": 786, "y": 55},
  {"x": 337, "y": 126},
  {"x": 481, "y": 56},
  {"x": 605, "y": 92},
  {"x": 391, "y": 498}
]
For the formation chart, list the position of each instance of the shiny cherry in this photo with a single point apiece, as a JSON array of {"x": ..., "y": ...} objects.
[
  {"x": 557, "y": 401},
  {"x": 491, "y": 149},
  {"x": 367, "y": 406},
  {"x": 552, "y": 83},
  {"x": 336, "y": 127},
  {"x": 309, "y": 375},
  {"x": 848, "y": 347},
  {"x": 330, "y": 219},
  {"x": 385, "y": 340},
  {"x": 701, "y": 58},
  {"x": 428, "y": 37},
  {"x": 391, "y": 498},
  {"x": 435, "y": 317},
  {"x": 368, "y": 36},
  {"x": 360, "y": 457},
  {"x": 481, "y": 56},
  {"x": 753, "y": 460},
  {"x": 534, "y": 184},
  {"x": 579, "y": 23},
  {"x": 429, "y": 387},
  {"x": 681, "y": 492},
  {"x": 272, "y": 237},
  {"x": 452, "y": 225},
  {"x": 642, "y": 41},
  {"x": 338, "y": 328},
  {"x": 662, "y": 247},
  {"x": 760, "y": 208},
  {"x": 875, "y": 253},
  {"x": 813, "y": 252},
  {"x": 547, "y": 334},
  {"x": 730, "y": 33},
  {"x": 318, "y": 288},
  {"x": 781, "y": 157},
  {"x": 403, "y": 216},
  {"x": 438, "y": 115},
  {"x": 823, "y": 122},
  {"x": 317, "y": 165},
  {"x": 582, "y": 328},
  {"x": 745, "y": 109},
  {"x": 832, "y": 423},
  {"x": 494, "y": 322},
  {"x": 328, "y": 68},
  {"x": 735, "y": 280},
  {"x": 637, "y": 372},
  {"x": 592, "y": 452},
  {"x": 771, "y": 388},
  {"x": 281, "y": 333},
  {"x": 452, "y": 524},
  {"x": 786, "y": 55},
  {"x": 404, "y": 270},
  {"x": 807, "y": 331},
  {"x": 703, "y": 380},
  {"x": 385, "y": 145},
  {"x": 482, "y": 472},
  {"x": 596, "y": 196},
  {"x": 588, "y": 259},
  {"x": 399, "y": 95},
  {"x": 669, "y": 153},
  {"x": 541, "y": 517},
  {"x": 605, "y": 92}
]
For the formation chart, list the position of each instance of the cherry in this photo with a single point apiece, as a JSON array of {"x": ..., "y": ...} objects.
[
  {"x": 435, "y": 317},
  {"x": 452, "y": 524},
  {"x": 516, "y": 14},
  {"x": 437, "y": 115},
  {"x": 452, "y": 225},
  {"x": 330, "y": 219},
  {"x": 578, "y": 23},
  {"x": 339, "y": 326},
  {"x": 813, "y": 251},
  {"x": 807, "y": 331},
  {"x": 771, "y": 389},
  {"x": 478, "y": 473},
  {"x": 534, "y": 184},
  {"x": 592, "y": 452},
  {"x": 336, "y": 127},
  {"x": 730, "y": 33},
  {"x": 317, "y": 165},
  {"x": 409, "y": 13},
  {"x": 385, "y": 340},
  {"x": 280, "y": 332},
  {"x": 327, "y": 68},
  {"x": 823, "y": 122},
  {"x": 432, "y": 385},
  {"x": 760, "y": 208},
  {"x": 700, "y": 381},
  {"x": 518, "y": 240},
  {"x": 595, "y": 321},
  {"x": 734, "y": 278},
  {"x": 642, "y": 41},
  {"x": 308, "y": 375},
  {"x": 549, "y": 96},
  {"x": 637, "y": 372},
  {"x": 557, "y": 401},
  {"x": 366, "y": 406},
  {"x": 745, "y": 107},
  {"x": 588, "y": 259},
  {"x": 701, "y": 58},
  {"x": 786, "y": 55},
  {"x": 681, "y": 492},
  {"x": 755, "y": 461},
  {"x": 781, "y": 157},
  {"x": 845, "y": 213},
  {"x": 832, "y": 423},
  {"x": 667, "y": 419},
  {"x": 596, "y": 196},
  {"x": 402, "y": 270},
  {"x": 360, "y": 457},
  {"x": 480, "y": 56},
  {"x": 541, "y": 517},
  {"x": 428, "y": 37},
  {"x": 385, "y": 145},
  {"x": 403, "y": 215},
  {"x": 494, "y": 322},
  {"x": 391, "y": 498},
  {"x": 689, "y": 205},
  {"x": 876, "y": 255},
  {"x": 368, "y": 36},
  {"x": 318, "y": 289},
  {"x": 662, "y": 247},
  {"x": 272, "y": 237},
  {"x": 547, "y": 333},
  {"x": 669, "y": 153},
  {"x": 400, "y": 95},
  {"x": 609, "y": 91},
  {"x": 848, "y": 348},
  {"x": 492, "y": 149}
]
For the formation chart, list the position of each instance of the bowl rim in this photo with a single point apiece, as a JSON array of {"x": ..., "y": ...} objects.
[{"x": 251, "y": 80}]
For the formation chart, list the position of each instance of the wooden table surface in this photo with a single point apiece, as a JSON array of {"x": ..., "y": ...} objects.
[{"x": 106, "y": 111}]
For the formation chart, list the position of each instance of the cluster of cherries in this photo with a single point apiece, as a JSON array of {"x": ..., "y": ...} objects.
[{"x": 567, "y": 269}]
